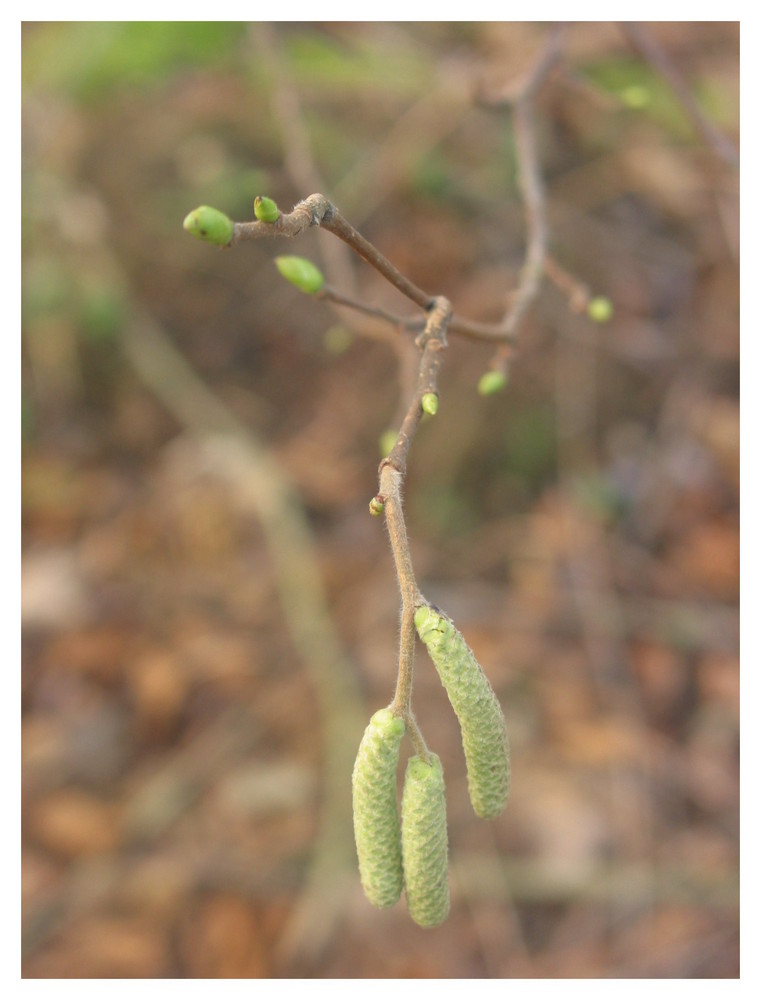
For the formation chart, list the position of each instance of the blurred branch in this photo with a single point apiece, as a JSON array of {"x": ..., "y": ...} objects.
[
  {"x": 538, "y": 881},
  {"x": 520, "y": 98},
  {"x": 297, "y": 150},
  {"x": 645, "y": 43},
  {"x": 231, "y": 451}
]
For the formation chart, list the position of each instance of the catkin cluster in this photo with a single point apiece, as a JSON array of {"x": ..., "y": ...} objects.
[
  {"x": 484, "y": 733},
  {"x": 412, "y": 854}
]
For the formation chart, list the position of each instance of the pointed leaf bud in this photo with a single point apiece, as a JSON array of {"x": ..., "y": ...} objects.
[
  {"x": 600, "y": 309},
  {"x": 301, "y": 272},
  {"x": 265, "y": 209},
  {"x": 209, "y": 224},
  {"x": 491, "y": 382},
  {"x": 430, "y": 403}
]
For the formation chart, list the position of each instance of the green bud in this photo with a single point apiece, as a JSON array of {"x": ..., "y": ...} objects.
[
  {"x": 209, "y": 224},
  {"x": 635, "y": 96},
  {"x": 491, "y": 382},
  {"x": 337, "y": 339},
  {"x": 600, "y": 309},
  {"x": 377, "y": 506},
  {"x": 386, "y": 442},
  {"x": 484, "y": 733},
  {"x": 376, "y": 814},
  {"x": 430, "y": 403},
  {"x": 424, "y": 842},
  {"x": 265, "y": 209},
  {"x": 301, "y": 272}
]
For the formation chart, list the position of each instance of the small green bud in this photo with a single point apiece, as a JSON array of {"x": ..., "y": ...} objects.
[
  {"x": 491, "y": 382},
  {"x": 635, "y": 96},
  {"x": 386, "y": 442},
  {"x": 376, "y": 814},
  {"x": 301, "y": 272},
  {"x": 424, "y": 842},
  {"x": 209, "y": 224},
  {"x": 430, "y": 403},
  {"x": 377, "y": 506},
  {"x": 600, "y": 309},
  {"x": 337, "y": 339},
  {"x": 265, "y": 209},
  {"x": 482, "y": 724}
]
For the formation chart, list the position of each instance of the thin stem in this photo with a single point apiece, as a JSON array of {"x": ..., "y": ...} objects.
[
  {"x": 432, "y": 342},
  {"x": 577, "y": 292},
  {"x": 316, "y": 210},
  {"x": 335, "y": 223},
  {"x": 330, "y": 294}
]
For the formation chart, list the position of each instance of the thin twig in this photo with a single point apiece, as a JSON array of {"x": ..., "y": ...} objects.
[
  {"x": 316, "y": 210},
  {"x": 432, "y": 342},
  {"x": 521, "y": 99},
  {"x": 577, "y": 292},
  {"x": 659, "y": 59}
]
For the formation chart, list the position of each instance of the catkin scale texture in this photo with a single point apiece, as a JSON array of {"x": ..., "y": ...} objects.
[
  {"x": 424, "y": 842},
  {"x": 376, "y": 813},
  {"x": 484, "y": 733}
]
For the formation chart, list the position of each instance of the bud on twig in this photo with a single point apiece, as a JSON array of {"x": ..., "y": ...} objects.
[
  {"x": 377, "y": 506},
  {"x": 301, "y": 272},
  {"x": 265, "y": 209},
  {"x": 430, "y": 403},
  {"x": 491, "y": 382},
  {"x": 209, "y": 224}
]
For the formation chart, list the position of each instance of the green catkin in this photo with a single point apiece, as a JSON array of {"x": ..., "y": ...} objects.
[
  {"x": 376, "y": 812},
  {"x": 484, "y": 733},
  {"x": 424, "y": 842}
]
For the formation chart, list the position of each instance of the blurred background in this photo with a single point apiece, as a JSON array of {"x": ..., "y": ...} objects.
[{"x": 209, "y": 612}]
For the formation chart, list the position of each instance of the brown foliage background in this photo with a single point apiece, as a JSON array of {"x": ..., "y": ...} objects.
[{"x": 181, "y": 815}]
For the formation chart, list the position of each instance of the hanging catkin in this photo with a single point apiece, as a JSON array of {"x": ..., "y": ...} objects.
[
  {"x": 376, "y": 811},
  {"x": 424, "y": 842},
  {"x": 484, "y": 734}
]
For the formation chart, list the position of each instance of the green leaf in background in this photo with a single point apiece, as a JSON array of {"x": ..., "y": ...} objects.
[{"x": 90, "y": 59}]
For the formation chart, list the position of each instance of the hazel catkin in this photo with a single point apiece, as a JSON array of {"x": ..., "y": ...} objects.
[
  {"x": 424, "y": 842},
  {"x": 376, "y": 811},
  {"x": 482, "y": 724}
]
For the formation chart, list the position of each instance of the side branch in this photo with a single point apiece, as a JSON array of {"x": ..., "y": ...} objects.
[{"x": 316, "y": 210}]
